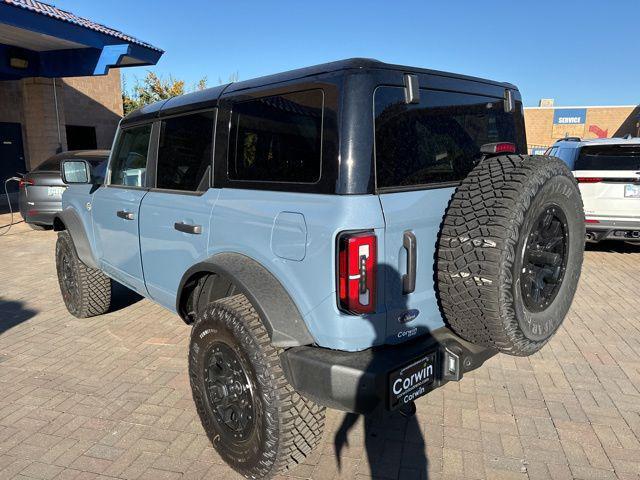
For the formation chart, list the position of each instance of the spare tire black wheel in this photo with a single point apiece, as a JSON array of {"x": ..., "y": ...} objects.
[{"x": 510, "y": 252}]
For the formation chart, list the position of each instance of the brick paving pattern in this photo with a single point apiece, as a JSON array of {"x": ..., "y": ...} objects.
[{"x": 109, "y": 397}]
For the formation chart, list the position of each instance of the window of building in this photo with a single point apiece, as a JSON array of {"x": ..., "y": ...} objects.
[
  {"x": 184, "y": 154},
  {"x": 277, "y": 138},
  {"x": 130, "y": 160},
  {"x": 437, "y": 140},
  {"x": 81, "y": 138}
]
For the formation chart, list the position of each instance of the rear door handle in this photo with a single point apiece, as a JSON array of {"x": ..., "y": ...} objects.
[
  {"x": 409, "y": 278},
  {"x": 124, "y": 214},
  {"x": 187, "y": 228}
]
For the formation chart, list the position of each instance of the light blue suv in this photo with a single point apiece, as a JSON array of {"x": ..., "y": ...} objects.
[{"x": 349, "y": 235}]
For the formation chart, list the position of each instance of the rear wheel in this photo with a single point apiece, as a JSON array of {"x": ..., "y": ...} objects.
[
  {"x": 510, "y": 252},
  {"x": 255, "y": 420},
  {"x": 86, "y": 291}
]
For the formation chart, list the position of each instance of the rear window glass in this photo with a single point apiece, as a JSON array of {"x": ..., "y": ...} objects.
[
  {"x": 438, "y": 139},
  {"x": 49, "y": 165},
  {"x": 53, "y": 164},
  {"x": 184, "y": 154},
  {"x": 277, "y": 138},
  {"x": 609, "y": 157}
]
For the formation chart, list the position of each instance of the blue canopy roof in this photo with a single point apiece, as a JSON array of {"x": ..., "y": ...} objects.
[{"x": 40, "y": 40}]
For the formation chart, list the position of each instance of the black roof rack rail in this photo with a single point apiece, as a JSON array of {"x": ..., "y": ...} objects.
[{"x": 570, "y": 139}]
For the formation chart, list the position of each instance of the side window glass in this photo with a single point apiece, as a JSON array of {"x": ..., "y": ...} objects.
[
  {"x": 129, "y": 164},
  {"x": 184, "y": 154},
  {"x": 98, "y": 171},
  {"x": 277, "y": 138}
]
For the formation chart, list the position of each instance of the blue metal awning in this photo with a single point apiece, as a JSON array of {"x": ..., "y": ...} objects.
[{"x": 40, "y": 40}]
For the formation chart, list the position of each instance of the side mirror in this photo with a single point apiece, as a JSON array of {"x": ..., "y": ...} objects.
[{"x": 76, "y": 171}]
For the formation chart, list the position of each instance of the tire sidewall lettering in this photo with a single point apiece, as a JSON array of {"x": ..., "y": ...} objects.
[{"x": 539, "y": 326}]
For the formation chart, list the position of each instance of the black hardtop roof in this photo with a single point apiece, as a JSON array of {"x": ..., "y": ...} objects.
[{"x": 209, "y": 97}]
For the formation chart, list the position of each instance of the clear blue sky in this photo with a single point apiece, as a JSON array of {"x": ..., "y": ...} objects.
[{"x": 578, "y": 52}]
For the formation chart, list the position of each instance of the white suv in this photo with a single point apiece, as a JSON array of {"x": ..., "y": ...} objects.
[{"x": 608, "y": 174}]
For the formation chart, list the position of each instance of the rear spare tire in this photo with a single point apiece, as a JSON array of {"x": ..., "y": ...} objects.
[{"x": 510, "y": 252}]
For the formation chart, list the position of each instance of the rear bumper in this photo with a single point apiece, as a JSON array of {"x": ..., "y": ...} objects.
[
  {"x": 359, "y": 381},
  {"x": 607, "y": 229},
  {"x": 39, "y": 218},
  {"x": 39, "y": 213}
]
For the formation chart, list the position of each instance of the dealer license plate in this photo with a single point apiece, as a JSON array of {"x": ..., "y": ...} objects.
[
  {"x": 410, "y": 382},
  {"x": 632, "y": 191},
  {"x": 55, "y": 191}
]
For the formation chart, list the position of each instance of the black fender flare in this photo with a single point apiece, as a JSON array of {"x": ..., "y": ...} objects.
[
  {"x": 73, "y": 224},
  {"x": 281, "y": 317}
]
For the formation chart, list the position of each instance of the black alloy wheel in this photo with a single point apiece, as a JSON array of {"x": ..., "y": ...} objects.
[
  {"x": 69, "y": 279},
  {"x": 544, "y": 260},
  {"x": 230, "y": 392}
]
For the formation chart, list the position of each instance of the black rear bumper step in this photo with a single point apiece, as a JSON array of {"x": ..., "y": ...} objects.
[{"x": 358, "y": 381}]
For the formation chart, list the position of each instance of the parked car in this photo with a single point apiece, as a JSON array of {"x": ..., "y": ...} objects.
[
  {"x": 608, "y": 174},
  {"x": 350, "y": 235},
  {"x": 41, "y": 189}
]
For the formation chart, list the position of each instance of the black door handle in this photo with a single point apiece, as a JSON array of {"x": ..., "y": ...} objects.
[
  {"x": 186, "y": 228},
  {"x": 124, "y": 214},
  {"x": 409, "y": 278}
]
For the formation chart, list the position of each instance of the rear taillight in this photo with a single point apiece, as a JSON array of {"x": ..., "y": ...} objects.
[
  {"x": 24, "y": 182},
  {"x": 500, "y": 147},
  {"x": 588, "y": 220},
  {"x": 357, "y": 262},
  {"x": 589, "y": 179}
]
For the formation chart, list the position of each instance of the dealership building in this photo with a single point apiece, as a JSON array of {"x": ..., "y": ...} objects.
[
  {"x": 59, "y": 83},
  {"x": 547, "y": 123}
]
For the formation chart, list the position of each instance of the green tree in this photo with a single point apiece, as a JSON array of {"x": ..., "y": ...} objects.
[{"x": 153, "y": 88}]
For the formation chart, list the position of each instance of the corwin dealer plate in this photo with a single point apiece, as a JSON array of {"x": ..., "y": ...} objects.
[{"x": 410, "y": 382}]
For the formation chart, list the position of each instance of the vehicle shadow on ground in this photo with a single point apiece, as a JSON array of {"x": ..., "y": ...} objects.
[
  {"x": 394, "y": 443},
  {"x": 13, "y": 313},
  {"x": 613, "y": 247},
  {"x": 122, "y": 297}
]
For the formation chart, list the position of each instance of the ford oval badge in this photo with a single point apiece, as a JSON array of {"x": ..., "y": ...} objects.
[{"x": 408, "y": 316}]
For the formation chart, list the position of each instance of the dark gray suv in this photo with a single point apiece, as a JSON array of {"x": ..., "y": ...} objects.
[{"x": 41, "y": 189}]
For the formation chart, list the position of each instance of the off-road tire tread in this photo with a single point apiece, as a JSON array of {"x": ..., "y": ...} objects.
[
  {"x": 476, "y": 249},
  {"x": 297, "y": 427},
  {"x": 95, "y": 286}
]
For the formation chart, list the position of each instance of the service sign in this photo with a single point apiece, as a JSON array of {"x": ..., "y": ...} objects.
[{"x": 569, "y": 116}]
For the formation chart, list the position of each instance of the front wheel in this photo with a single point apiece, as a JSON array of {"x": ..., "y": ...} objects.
[
  {"x": 86, "y": 291},
  {"x": 255, "y": 420}
]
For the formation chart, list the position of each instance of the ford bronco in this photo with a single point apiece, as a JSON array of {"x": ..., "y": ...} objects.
[{"x": 350, "y": 235}]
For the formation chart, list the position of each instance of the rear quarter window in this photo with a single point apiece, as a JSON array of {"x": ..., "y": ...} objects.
[
  {"x": 277, "y": 138},
  {"x": 437, "y": 140}
]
